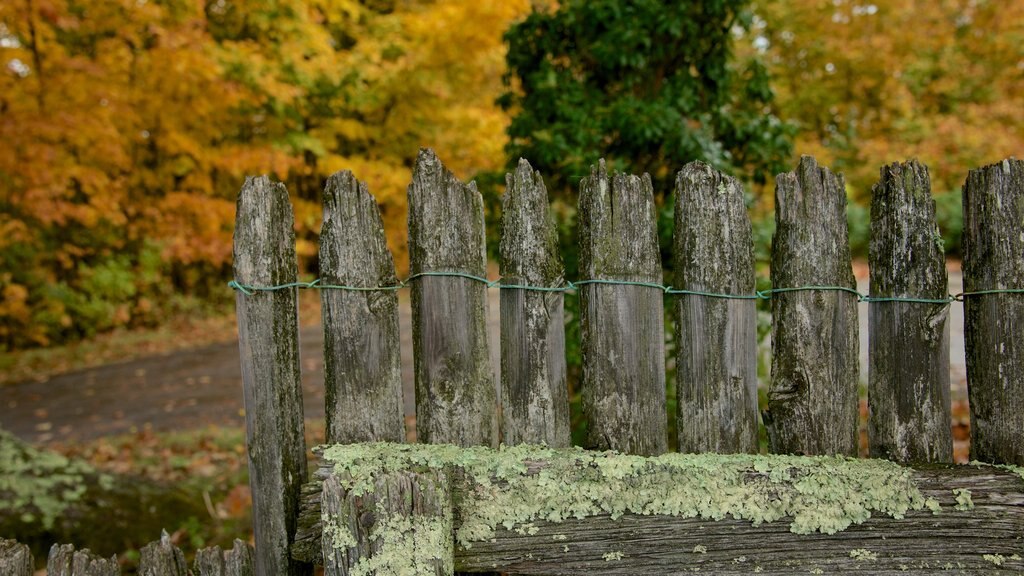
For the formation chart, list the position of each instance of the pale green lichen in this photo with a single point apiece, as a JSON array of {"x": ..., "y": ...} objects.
[
  {"x": 608, "y": 557},
  {"x": 700, "y": 549},
  {"x": 515, "y": 487},
  {"x": 863, "y": 554},
  {"x": 336, "y": 535},
  {"x": 996, "y": 559},
  {"x": 408, "y": 546},
  {"x": 39, "y": 483},
  {"x": 963, "y": 499}
]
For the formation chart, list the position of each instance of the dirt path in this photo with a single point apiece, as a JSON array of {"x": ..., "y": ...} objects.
[{"x": 199, "y": 387}]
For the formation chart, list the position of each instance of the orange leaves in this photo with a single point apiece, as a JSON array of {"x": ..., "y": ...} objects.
[{"x": 880, "y": 81}]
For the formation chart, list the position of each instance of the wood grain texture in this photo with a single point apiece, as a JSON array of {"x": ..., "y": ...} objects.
[
  {"x": 162, "y": 558},
  {"x": 980, "y": 534},
  {"x": 362, "y": 363},
  {"x": 238, "y": 561},
  {"x": 621, "y": 326},
  {"x": 268, "y": 340},
  {"x": 908, "y": 348},
  {"x": 402, "y": 527},
  {"x": 64, "y": 560},
  {"x": 812, "y": 401},
  {"x": 993, "y": 245},
  {"x": 456, "y": 400},
  {"x": 716, "y": 351},
  {"x": 15, "y": 559},
  {"x": 535, "y": 403},
  {"x": 921, "y": 543}
]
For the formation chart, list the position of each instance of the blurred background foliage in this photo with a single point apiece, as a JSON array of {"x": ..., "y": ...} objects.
[{"x": 129, "y": 125}]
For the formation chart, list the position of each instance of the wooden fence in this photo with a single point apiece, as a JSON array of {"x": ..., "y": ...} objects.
[{"x": 463, "y": 505}]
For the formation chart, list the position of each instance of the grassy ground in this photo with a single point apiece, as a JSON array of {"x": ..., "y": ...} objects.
[{"x": 209, "y": 464}]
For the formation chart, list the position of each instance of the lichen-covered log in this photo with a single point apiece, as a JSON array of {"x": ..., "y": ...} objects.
[
  {"x": 402, "y": 524},
  {"x": 622, "y": 327},
  {"x": 162, "y": 558},
  {"x": 993, "y": 244},
  {"x": 535, "y": 510},
  {"x": 268, "y": 341},
  {"x": 535, "y": 403},
  {"x": 15, "y": 559},
  {"x": 64, "y": 560},
  {"x": 456, "y": 401},
  {"x": 216, "y": 562},
  {"x": 716, "y": 339},
  {"x": 362, "y": 364},
  {"x": 908, "y": 349},
  {"x": 812, "y": 401}
]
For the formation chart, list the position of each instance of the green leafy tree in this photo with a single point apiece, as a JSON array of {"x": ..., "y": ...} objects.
[{"x": 647, "y": 84}]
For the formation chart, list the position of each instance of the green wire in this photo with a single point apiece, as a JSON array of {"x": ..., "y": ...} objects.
[{"x": 570, "y": 286}]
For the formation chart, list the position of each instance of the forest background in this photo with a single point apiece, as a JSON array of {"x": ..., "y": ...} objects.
[{"x": 128, "y": 126}]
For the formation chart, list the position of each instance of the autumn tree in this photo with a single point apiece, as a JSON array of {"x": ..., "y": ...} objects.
[
  {"x": 129, "y": 126},
  {"x": 871, "y": 82}
]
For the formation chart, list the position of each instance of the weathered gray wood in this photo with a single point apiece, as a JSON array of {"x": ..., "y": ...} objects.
[
  {"x": 812, "y": 401},
  {"x": 965, "y": 517},
  {"x": 993, "y": 244},
  {"x": 965, "y": 542},
  {"x": 216, "y": 562},
  {"x": 362, "y": 364},
  {"x": 162, "y": 558},
  {"x": 64, "y": 560},
  {"x": 15, "y": 559},
  {"x": 455, "y": 393},
  {"x": 716, "y": 339},
  {"x": 535, "y": 403},
  {"x": 622, "y": 326},
  {"x": 404, "y": 526},
  {"x": 268, "y": 340},
  {"x": 908, "y": 348}
]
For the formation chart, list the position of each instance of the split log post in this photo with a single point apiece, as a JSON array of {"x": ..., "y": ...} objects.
[
  {"x": 64, "y": 560},
  {"x": 404, "y": 526},
  {"x": 16, "y": 559},
  {"x": 812, "y": 401},
  {"x": 455, "y": 394},
  {"x": 993, "y": 243},
  {"x": 162, "y": 558},
  {"x": 534, "y": 392},
  {"x": 362, "y": 364},
  {"x": 908, "y": 348},
  {"x": 216, "y": 562},
  {"x": 716, "y": 351},
  {"x": 268, "y": 339},
  {"x": 622, "y": 326}
]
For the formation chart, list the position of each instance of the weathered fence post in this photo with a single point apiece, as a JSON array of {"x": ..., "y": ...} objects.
[
  {"x": 993, "y": 244},
  {"x": 455, "y": 395},
  {"x": 64, "y": 560},
  {"x": 908, "y": 387},
  {"x": 402, "y": 526},
  {"x": 268, "y": 339},
  {"x": 622, "y": 326},
  {"x": 15, "y": 559},
  {"x": 812, "y": 402},
  {"x": 535, "y": 405},
  {"x": 162, "y": 558},
  {"x": 216, "y": 562},
  {"x": 716, "y": 351},
  {"x": 362, "y": 365}
]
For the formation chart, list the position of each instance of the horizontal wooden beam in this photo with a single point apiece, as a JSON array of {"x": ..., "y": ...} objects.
[{"x": 532, "y": 510}]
